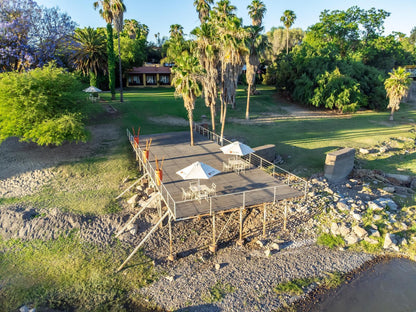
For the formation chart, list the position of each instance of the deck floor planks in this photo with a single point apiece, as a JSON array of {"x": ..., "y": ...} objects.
[{"x": 178, "y": 154}]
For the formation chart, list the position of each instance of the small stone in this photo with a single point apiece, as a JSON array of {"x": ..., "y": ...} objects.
[
  {"x": 170, "y": 278},
  {"x": 133, "y": 200},
  {"x": 374, "y": 206},
  {"x": 375, "y": 233},
  {"x": 348, "y": 185},
  {"x": 386, "y": 202},
  {"x": 342, "y": 206},
  {"x": 261, "y": 242},
  {"x": 217, "y": 266},
  {"x": 356, "y": 216},
  {"x": 389, "y": 241},
  {"x": 335, "y": 228},
  {"x": 351, "y": 239},
  {"x": 275, "y": 246},
  {"x": 344, "y": 230},
  {"x": 361, "y": 233},
  {"x": 364, "y": 151},
  {"x": 377, "y": 217},
  {"x": 267, "y": 252}
]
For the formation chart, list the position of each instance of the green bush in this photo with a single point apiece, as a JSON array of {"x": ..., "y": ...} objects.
[
  {"x": 45, "y": 105},
  {"x": 330, "y": 241}
]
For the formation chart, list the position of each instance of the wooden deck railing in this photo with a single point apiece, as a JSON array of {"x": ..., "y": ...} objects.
[{"x": 275, "y": 171}]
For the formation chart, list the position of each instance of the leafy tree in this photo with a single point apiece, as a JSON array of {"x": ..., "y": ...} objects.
[
  {"x": 337, "y": 91},
  {"x": 397, "y": 87},
  {"x": 185, "y": 79},
  {"x": 278, "y": 40},
  {"x": 32, "y": 36},
  {"x": 45, "y": 105},
  {"x": 288, "y": 18},
  {"x": 90, "y": 55},
  {"x": 107, "y": 15},
  {"x": 412, "y": 38}
]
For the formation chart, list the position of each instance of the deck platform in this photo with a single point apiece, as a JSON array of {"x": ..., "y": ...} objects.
[{"x": 252, "y": 187}]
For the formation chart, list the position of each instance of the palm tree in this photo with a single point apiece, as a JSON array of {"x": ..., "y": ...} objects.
[
  {"x": 288, "y": 18},
  {"x": 176, "y": 30},
  {"x": 107, "y": 15},
  {"x": 397, "y": 86},
  {"x": 256, "y": 11},
  {"x": 203, "y": 7},
  {"x": 257, "y": 45},
  {"x": 118, "y": 8},
  {"x": 90, "y": 52},
  {"x": 255, "y": 42},
  {"x": 132, "y": 28},
  {"x": 207, "y": 51},
  {"x": 185, "y": 79}
]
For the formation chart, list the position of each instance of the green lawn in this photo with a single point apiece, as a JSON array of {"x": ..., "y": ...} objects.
[{"x": 302, "y": 143}]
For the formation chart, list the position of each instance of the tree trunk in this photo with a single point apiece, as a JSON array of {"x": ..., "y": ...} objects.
[
  {"x": 212, "y": 107},
  {"x": 248, "y": 102},
  {"x": 93, "y": 79},
  {"x": 223, "y": 122},
  {"x": 121, "y": 74},
  {"x": 111, "y": 62},
  {"x": 191, "y": 125},
  {"x": 391, "y": 114},
  {"x": 287, "y": 40}
]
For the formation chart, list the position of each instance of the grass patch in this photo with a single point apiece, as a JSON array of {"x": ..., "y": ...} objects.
[
  {"x": 295, "y": 287},
  {"x": 217, "y": 292},
  {"x": 88, "y": 186},
  {"x": 330, "y": 240},
  {"x": 69, "y": 274}
]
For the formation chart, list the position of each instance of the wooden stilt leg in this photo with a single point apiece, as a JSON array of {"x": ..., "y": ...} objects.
[
  {"x": 171, "y": 256},
  {"x": 213, "y": 247},
  {"x": 240, "y": 241},
  {"x": 264, "y": 220},
  {"x": 285, "y": 217}
]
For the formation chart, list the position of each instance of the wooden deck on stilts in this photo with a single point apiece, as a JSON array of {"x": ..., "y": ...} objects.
[{"x": 252, "y": 187}]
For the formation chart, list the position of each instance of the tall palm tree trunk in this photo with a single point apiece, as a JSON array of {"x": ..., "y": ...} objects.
[
  {"x": 223, "y": 121},
  {"x": 111, "y": 61},
  {"x": 212, "y": 107},
  {"x": 248, "y": 102},
  {"x": 287, "y": 40},
  {"x": 391, "y": 114},
  {"x": 191, "y": 125},
  {"x": 119, "y": 65}
]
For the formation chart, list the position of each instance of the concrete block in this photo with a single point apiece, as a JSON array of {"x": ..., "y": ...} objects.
[{"x": 339, "y": 164}]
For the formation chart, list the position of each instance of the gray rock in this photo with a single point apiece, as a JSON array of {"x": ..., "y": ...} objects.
[
  {"x": 364, "y": 151},
  {"x": 357, "y": 216},
  {"x": 374, "y": 206},
  {"x": 170, "y": 278},
  {"x": 386, "y": 202},
  {"x": 402, "y": 178},
  {"x": 267, "y": 252},
  {"x": 361, "y": 233},
  {"x": 133, "y": 200},
  {"x": 343, "y": 206},
  {"x": 335, "y": 229},
  {"x": 261, "y": 242},
  {"x": 413, "y": 184},
  {"x": 375, "y": 233},
  {"x": 390, "y": 242},
  {"x": 217, "y": 266},
  {"x": 275, "y": 246},
  {"x": 344, "y": 230},
  {"x": 351, "y": 239}
]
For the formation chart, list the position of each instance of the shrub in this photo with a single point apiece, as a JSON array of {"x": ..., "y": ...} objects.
[
  {"x": 45, "y": 105},
  {"x": 330, "y": 241}
]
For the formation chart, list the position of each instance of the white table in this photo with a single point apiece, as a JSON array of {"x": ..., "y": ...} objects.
[{"x": 238, "y": 165}]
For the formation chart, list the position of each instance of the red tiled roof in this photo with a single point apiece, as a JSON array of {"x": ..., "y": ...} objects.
[{"x": 150, "y": 70}]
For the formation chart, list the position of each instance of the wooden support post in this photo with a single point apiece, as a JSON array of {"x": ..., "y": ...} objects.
[
  {"x": 213, "y": 247},
  {"x": 159, "y": 211},
  {"x": 264, "y": 219},
  {"x": 171, "y": 256},
  {"x": 285, "y": 217},
  {"x": 240, "y": 241},
  {"x": 126, "y": 190},
  {"x": 143, "y": 241}
]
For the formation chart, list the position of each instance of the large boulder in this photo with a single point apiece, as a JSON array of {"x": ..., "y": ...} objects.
[{"x": 339, "y": 164}]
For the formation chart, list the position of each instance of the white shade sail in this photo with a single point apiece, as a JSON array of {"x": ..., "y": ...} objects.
[
  {"x": 237, "y": 148},
  {"x": 198, "y": 171}
]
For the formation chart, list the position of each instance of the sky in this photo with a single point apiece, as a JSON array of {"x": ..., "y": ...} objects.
[{"x": 160, "y": 14}]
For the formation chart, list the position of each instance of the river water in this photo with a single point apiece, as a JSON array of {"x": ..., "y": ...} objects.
[{"x": 386, "y": 287}]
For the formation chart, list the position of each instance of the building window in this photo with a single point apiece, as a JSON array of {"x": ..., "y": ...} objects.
[{"x": 164, "y": 79}]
